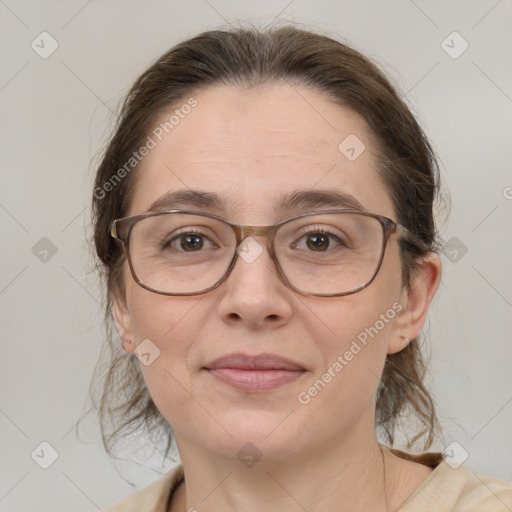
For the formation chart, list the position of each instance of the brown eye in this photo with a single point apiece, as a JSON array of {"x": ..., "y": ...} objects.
[
  {"x": 318, "y": 242},
  {"x": 191, "y": 242},
  {"x": 188, "y": 241}
]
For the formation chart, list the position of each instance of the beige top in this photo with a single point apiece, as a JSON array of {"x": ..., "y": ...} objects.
[{"x": 444, "y": 490}]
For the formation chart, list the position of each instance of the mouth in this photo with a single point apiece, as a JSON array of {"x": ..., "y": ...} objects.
[{"x": 254, "y": 373}]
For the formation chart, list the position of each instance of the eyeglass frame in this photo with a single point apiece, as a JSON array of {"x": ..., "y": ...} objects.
[{"x": 121, "y": 230}]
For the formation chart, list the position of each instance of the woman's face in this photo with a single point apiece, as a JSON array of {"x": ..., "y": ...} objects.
[{"x": 252, "y": 149}]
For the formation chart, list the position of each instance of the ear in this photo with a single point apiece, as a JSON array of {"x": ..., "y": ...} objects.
[
  {"x": 123, "y": 322},
  {"x": 416, "y": 302}
]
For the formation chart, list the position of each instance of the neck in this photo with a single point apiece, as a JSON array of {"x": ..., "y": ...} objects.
[{"x": 341, "y": 477}]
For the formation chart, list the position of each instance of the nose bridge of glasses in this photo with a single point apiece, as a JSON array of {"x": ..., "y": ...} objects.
[
  {"x": 244, "y": 232},
  {"x": 247, "y": 231}
]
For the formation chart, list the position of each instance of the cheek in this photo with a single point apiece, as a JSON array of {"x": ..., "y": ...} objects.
[
  {"x": 354, "y": 341},
  {"x": 170, "y": 325},
  {"x": 345, "y": 383},
  {"x": 362, "y": 319},
  {"x": 165, "y": 327},
  {"x": 154, "y": 316},
  {"x": 359, "y": 328}
]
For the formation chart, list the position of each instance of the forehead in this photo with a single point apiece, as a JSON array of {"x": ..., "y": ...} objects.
[{"x": 251, "y": 148}]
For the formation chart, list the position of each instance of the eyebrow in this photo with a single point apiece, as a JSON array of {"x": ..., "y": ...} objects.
[
  {"x": 297, "y": 200},
  {"x": 308, "y": 199}
]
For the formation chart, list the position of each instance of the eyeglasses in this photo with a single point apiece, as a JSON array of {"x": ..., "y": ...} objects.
[{"x": 325, "y": 253}]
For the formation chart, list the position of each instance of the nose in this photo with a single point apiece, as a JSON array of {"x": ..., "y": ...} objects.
[{"x": 253, "y": 294}]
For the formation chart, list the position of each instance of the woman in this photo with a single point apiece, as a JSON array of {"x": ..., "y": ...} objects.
[{"x": 263, "y": 218}]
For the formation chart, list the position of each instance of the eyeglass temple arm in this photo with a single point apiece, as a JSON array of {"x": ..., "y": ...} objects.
[
  {"x": 404, "y": 233},
  {"x": 116, "y": 230},
  {"x": 113, "y": 230}
]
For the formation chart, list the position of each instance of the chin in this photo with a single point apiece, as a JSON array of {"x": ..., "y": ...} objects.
[{"x": 263, "y": 435}]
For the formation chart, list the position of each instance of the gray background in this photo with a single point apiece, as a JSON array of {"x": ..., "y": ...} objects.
[{"x": 56, "y": 115}]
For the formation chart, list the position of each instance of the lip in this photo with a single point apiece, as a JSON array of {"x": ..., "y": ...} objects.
[{"x": 257, "y": 373}]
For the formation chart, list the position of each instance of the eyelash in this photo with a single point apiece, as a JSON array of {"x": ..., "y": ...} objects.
[
  {"x": 176, "y": 236},
  {"x": 322, "y": 231}
]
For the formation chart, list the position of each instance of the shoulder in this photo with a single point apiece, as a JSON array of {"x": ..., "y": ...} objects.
[
  {"x": 154, "y": 497},
  {"x": 459, "y": 489}
]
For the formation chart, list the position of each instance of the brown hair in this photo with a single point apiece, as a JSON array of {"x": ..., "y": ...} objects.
[{"x": 249, "y": 58}]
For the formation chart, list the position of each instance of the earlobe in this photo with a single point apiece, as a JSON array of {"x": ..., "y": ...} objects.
[
  {"x": 122, "y": 321},
  {"x": 397, "y": 342},
  {"x": 416, "y": 302}
]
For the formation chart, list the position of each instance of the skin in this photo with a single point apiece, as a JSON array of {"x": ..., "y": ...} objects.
[{"x": 255, "y": 146}]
